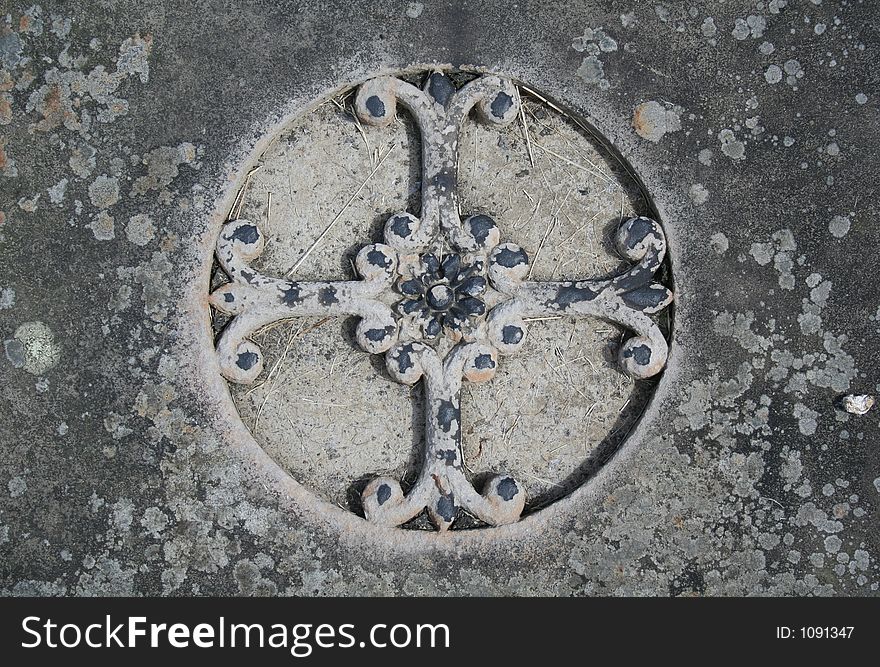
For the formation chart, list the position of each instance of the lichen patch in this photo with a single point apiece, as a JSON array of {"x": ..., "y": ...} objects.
[
  {"x": 653, "y": 120},
  {"x": 33, "y": 348}
]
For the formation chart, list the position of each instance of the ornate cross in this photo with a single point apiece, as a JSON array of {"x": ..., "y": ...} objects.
[{"x": 442, "y": 298}]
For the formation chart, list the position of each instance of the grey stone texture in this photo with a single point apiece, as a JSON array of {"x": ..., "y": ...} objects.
[{"x": 125, "y": 136}]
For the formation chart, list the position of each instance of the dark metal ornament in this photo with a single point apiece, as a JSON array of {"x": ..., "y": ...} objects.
[{"x": 441, "y": 293}]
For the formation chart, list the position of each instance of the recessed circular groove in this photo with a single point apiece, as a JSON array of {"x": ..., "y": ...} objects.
[{"x": 536, "y": 418}]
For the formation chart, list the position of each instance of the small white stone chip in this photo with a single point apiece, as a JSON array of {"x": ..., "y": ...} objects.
[{"x": 857, "y": 404}]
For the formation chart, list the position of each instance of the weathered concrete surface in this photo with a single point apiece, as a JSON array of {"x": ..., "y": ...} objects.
[{"x": 125, "y": 133}]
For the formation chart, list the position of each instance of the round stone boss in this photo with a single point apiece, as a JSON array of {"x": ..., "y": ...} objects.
[{"x": 438, "y": 299}]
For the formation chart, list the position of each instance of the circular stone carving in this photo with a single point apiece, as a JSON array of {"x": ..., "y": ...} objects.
[{"x": 540, "y": 288}]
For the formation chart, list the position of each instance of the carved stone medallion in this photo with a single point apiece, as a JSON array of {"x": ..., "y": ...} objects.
[{"x": 446, "y": 297}]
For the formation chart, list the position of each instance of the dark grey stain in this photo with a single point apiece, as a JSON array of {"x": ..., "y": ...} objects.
[
  {"x": 229, "y": 297},
  {"x": 383, "y": 493},
  {"x": 246, "y": 360},
  {"x": 411, "y": 306},
  {"x": 432, "y": 266},
  {"x": 411, "y": 287},
  {"x": 480, "y": 227},
  {"x": 447, "y": 413},
  {"x": 327, "y": 296},
  {"x": 446, "y": 508},
  {"x": 511, "y": 335},
  {"x": 375, "y": 106},
  {"x": 291, "y": 295},
  {"x": 404, "y": 359},
  {"x": 247, "y": 276},
  {"x": 434, "y": 327},
  {"x": 637, "y": 277},
  {"x": 445, "y": 292},
  {"x": 646, "y": 297},
  {"x": 507, "y": 488},
  {"x": 399, "y": 226},
  {"x": 639, "y": 229},
  {"x": 473, "y": 286},
  {"x": 444, "y": 180},
  {"x": 501, "y": 105},
  {"x": 450, "y": 266},
  {"x": 571, "y": 294},
  {"x": 246, "y": 234},
  {"x": 641, "y": 353},
  {"x": 449, "y": 456},
  {"x": 484, "y": 361},
  {"x": 455, "y": 319},
  {"x": 510, "y": 258},
  {"x": 471, "y": 306},
  {"x": 440, "y": 88},
  {"x": 379, "y": 258},
  {"x": 378, "y": 335}
]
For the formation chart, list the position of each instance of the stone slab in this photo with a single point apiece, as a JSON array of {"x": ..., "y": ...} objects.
[{"x": 126, "y": 135}]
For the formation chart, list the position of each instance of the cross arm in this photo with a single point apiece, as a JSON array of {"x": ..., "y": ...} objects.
[
  {"x": 627, "y": 299},
  {"x": 256, "y": 300}
]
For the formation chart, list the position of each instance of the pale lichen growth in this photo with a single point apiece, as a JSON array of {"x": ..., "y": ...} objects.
[
  {"x": 839, "y": 226},
  {"x": 33, "y": 348},
  {"x": 652, "y": 120},
  {"x": 140, "y": 230}
]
